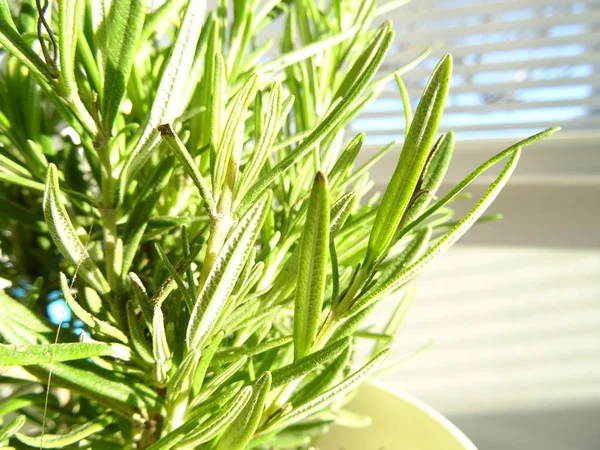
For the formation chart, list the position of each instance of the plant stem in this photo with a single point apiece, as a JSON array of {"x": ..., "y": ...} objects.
[
  {"x": 219, "y": 227},
  {"x": 220, "y": 222},
  {"x": 175, "y": 414}
]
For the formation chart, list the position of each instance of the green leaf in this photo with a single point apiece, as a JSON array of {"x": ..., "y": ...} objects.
[
  {"x": 330, "y": 396},
  {"x": 405, "y": 103},
  {"x": 413, "y": 251},
  {"x": 240, "y": 431},
  {"x": 96, "y": 325},
  {"x": 271, "y": 126},
  {"x": 229, "y": 355},
  {"x": 219, "y": 99},
  {"x": 108, "y": 388},
  {"x": 180, "y": 283},
  {"x": 445, "y": 242},
  {"x": 11, "y": 428},
  {"x": 415, "y": 152},
  {"x": 136, "y": 334},
  {"x": 141, "y": 212},
  {"x": 340, "y": 211},
  {"x": 167, "y": 104},
  {"x": 433, "y": 176},
  {"x": 22, "y": 326},
  {"x": 473, "y": 175},
  {"x": 205, "y": 359},
  {"x": 363, "y": 170},
  {"x": 219, "y": 379},
  {"x": 160, "y": 347},
  {"x": 124, "y": 27},
  {"x": 322, "y": 381},
  {"x": 344, "y": 162},
  {"x": 382, "y": 41},
  {"x": 303, "y": 366},
  {"x": 69, "y": 14},
  {"x": 141, "y": 297},
  {"x": 25, "y": 355},
  {"x": 184, "y": 157},
  {"x": 221, "y": 280},
  {"x": 41, "y": 187},
  {"x": 232, "y": 139},
  {"x": 192, "y": 434},
  {"x": 21, "y": 215},
  {"x": 72, "y": 436},
  {"x": 312, "y": 269},
  {"x": 307, "y": 51},
  {"x": 65, "y": 237},
  {"x": 11, "y": 40},
  {"x": 181, "y": 383}
]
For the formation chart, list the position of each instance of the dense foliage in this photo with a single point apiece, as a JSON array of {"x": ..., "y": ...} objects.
[{"x": 191, "y": 193}]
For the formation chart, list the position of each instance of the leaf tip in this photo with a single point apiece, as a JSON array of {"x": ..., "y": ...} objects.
[{"x": 166, "y": 130}]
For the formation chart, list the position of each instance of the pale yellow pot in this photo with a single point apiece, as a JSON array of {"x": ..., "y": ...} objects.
[{"x": 399, "y": 422}]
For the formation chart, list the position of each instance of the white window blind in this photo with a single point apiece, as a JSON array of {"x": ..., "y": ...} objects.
[{"x": 519, "y": 67}]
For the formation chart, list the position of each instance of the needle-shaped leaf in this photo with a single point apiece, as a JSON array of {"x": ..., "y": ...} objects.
[
  {"x": 40, "y": 187},
  {"x": 21, "y": 314},
  {"x": 413, "y": 251},
  {"x": 181, "y": 383},
  {"x": 324, "y": 380},
  {"x": 303, "y": 366},
  {"x": 11, "y": 428},
  {"x": 11, "y": 40},
  {"x": 340, "y": 211},
  {"x": 220, "y": 378},
  {"x": 405, "y": 102},
  {"x": 69, "y": 15},
  {"x": 65, "y": 237},
  {"x": 180, "y": 283},
  {"x": 205, "y": 359},
  {"x": 72, "y": 436},
  {"x": 219, "y": 99},
  {"x": 124, "y": 22},
  {"x": 142, "y": 299},
  {"x": 330, "y": 396},
  {"x": 433, "y": 176},
  {"x": 456, "y": 190},
  {"x": 271, "y": 125},
  {"x": 26, "y": 355},
  {"x": 142, "y": 209},
  {"x": 221, "y": 280},
  {"x": 415, "y": 152},
  {"x": 312, "y": 268},
  {"x": 307, "y": 51},
  {"x": 95, "y": 324},
  {"x": 229, "y": 355},
  {"x": 232, "y": 139},
  {"x": 136, "y": 334},
  {"x": 382, "y": 41},
  {"x": 160, "y": 347},
  {"x": 344, "y": 162},
  {"x": 184, "y": 157},
  {"x": 167, "y": 104},
  {"x": 109, "y": 389},
  {"x": 445, "y": 242},
  {"x": 240, "y": 431}
]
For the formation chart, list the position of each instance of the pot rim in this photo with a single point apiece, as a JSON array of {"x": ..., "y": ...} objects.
[{"x": 404, "y": 396}]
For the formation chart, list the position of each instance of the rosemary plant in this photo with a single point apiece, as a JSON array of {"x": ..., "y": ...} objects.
[{"x": 188, "y": 187}]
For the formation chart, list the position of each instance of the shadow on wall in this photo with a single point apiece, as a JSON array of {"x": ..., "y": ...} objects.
[{"x": 557, "y": 429}]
